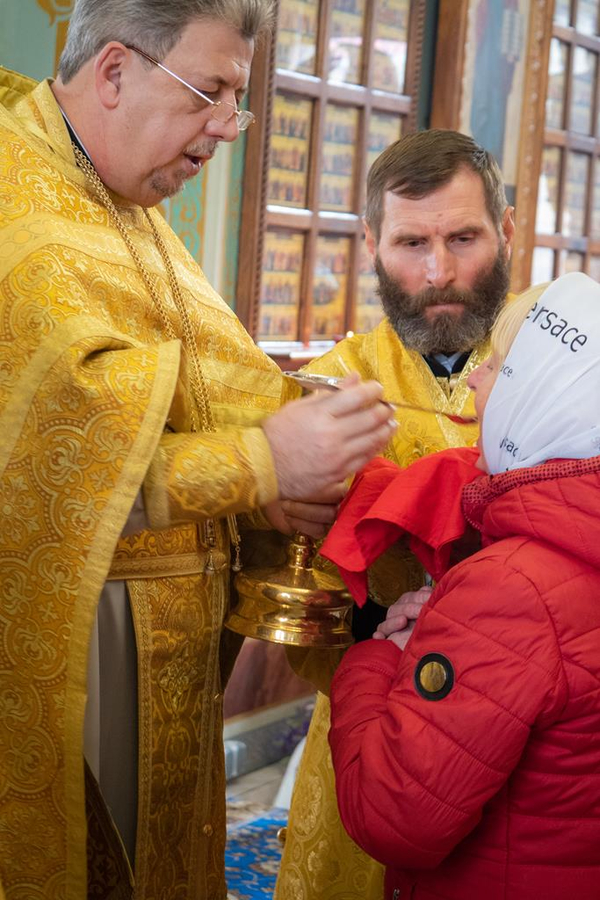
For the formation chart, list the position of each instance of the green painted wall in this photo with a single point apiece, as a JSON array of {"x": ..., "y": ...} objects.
[
  {"x": 28, "y": 37},
  {"x": 206, "y": 215}
]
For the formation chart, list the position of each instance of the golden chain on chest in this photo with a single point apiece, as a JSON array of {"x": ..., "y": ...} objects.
[{"x": 198, "y": 382}]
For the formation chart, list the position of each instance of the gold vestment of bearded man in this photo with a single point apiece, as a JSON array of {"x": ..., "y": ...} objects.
[
  {"x": 320, "y": 861},
  {"x": 94, "y": 406}
]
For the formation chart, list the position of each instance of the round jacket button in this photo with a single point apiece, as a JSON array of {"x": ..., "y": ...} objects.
[{"x": 208, "y": 830}]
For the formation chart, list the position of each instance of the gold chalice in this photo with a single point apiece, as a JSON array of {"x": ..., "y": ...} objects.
[{"x": 293, "y": 604}]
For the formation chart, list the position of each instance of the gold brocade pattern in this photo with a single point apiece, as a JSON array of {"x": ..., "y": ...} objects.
[
  {"x": 206, "y": 475},
  {"x": 182, "y": 779},
  {"x": 85, "y": 390},
  {"x": 320, "y": 861}
]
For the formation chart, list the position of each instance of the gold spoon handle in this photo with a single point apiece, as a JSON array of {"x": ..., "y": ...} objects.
[
  {"x": 331, "y": 383},
  {"x": 454, "y": 417}
]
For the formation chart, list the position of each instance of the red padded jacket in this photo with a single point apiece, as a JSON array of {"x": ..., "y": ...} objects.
[{"x": 483, "y": 782}]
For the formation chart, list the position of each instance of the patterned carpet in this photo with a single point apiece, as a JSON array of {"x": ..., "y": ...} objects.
[{"x": 252, "y": 856}]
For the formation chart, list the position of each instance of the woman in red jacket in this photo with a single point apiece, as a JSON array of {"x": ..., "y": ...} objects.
[{"x": 469, "y": 762}]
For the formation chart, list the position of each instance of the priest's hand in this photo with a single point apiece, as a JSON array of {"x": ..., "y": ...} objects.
[
  {"x": 323, "y": 438},
  {"x": 312, "y": 517}
]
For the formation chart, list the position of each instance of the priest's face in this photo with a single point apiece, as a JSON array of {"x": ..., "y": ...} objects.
[
  {"x": 163, "y": 132},
  {"x": 442, "y": 265}
]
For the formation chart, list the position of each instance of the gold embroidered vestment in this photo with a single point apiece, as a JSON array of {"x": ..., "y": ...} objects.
[{"x": 87, "y": 385}]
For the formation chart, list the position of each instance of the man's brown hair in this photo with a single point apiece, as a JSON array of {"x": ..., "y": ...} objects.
[{"x": 422, "y": 162}]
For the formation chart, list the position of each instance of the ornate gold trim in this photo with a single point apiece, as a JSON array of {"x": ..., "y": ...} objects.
[{"x": 158, "y": 566}]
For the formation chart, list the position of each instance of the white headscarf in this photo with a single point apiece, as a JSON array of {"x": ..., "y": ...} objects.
[{"x": 545, "y": 403}]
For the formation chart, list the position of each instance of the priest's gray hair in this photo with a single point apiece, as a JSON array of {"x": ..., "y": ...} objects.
[{"x": 152, "y": 25}]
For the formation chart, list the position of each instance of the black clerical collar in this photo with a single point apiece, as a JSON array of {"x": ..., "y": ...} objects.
[
  {"x": 73, "y": 134},
  {"x": 443, "y": 365}
]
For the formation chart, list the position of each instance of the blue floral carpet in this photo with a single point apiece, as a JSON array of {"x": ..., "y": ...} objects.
[{"x": 252, "y": 856}]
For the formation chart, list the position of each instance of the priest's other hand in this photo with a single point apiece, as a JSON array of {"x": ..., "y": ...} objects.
[
  {"x": 323, "y": 438},
  {"x": 312, "y": 517}
]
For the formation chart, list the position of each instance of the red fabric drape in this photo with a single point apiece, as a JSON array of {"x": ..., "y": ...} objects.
[{"x": 385, "y": 503}]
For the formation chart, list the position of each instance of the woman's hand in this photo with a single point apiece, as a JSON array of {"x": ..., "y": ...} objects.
[{"x": 402, "y": 615}]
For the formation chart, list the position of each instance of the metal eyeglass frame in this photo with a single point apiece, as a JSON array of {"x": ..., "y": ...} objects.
[{"x": 219, "y": 107}]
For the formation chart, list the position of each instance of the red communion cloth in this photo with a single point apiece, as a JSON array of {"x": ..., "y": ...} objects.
[{"x": 385, "y": 503}]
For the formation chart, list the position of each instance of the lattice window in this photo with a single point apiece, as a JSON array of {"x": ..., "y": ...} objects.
[{"x": 567, "y": 221}]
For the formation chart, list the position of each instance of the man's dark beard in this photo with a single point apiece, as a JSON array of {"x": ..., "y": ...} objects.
[{"x": 447, "y": 333}]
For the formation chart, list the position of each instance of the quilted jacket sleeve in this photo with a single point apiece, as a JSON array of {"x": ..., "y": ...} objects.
[{"x": 413, "y": 774}]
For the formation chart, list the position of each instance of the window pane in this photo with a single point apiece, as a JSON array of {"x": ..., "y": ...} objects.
[
  {"x": 280, "y": 290},
  {"x": 595, "y": 226},
  {"x": 339, "y": 157},
  {"x": 570, "y": 261},
  {"x": 384, "y": 129},
  {"x": 573, "y": 220},
  {"x": 389, "y": 45},
  {"x": 346, "y": 42},
  {"x": 584, "y": 75},
  {"x": 562, "y": 12},
  {"x": 587, "y": 16},
  {"x": 547, "y": 202},
  {"x": 288, "y": 171},
  {"x": 297, "y": 35},
  {"x": 542, "y": 268},
  {"x": 555, "y": 98},
  {"x": 330, "y": 287},
  {"x": 368, "y": 305},
  {"x": 595, "y": 267}
]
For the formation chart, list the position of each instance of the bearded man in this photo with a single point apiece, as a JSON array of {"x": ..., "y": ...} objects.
[{"x": 440, "y": 233}]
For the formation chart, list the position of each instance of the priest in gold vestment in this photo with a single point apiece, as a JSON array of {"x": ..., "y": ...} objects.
[
  {"x": 140, "y": 434},
  {"x": 440, "y": 233}
]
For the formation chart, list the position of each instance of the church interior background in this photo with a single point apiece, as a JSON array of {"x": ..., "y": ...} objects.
[{"x": 275, "y": 221}]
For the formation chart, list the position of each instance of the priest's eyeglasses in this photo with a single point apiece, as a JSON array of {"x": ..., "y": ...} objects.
[{"x": 222, "y": 110}]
